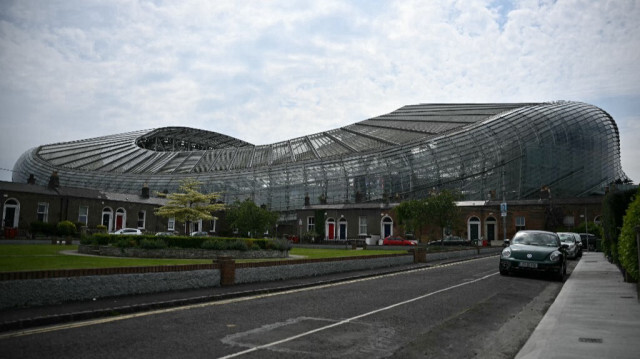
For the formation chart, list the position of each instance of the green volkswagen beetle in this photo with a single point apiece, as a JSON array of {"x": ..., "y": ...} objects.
[{"x": 535, "y": 251}]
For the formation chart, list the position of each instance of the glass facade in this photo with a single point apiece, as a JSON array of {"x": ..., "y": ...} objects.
[{"x": 482, "y": 150}]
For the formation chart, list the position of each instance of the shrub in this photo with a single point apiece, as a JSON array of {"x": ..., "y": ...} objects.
[
  {"x": 260, "y": 243},
  {"x": 185, "y": 241},
  {"x": 102, "y": 239},
  {"x": 66, "y": 228},
  {"x": 281, "y": 245},
  {"x": 613, "y": 208},
  {"x": 237, "y": 245},
  {"x": 101, "y": 228},
  {"x": 627, "y": 245},
  {"x": 153, "y": 244},
  {"x": 88, "y": 241},
  {"x": 254, "y": 247},
  {"x": 126, "y": 243},
  {"x": 213, "y": 244}
]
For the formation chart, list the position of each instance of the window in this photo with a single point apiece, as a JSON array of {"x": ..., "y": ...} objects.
[
  {"x": 520, "y": 224},
  {"x": 362, "y": 225},
  {"x": 311, "y": 224},
  {"x": 171, "y": 225},
  {"x": 43, "y": 211},
  {"x": 141, "y": 218},
  {"x": 83, "y": 214}
]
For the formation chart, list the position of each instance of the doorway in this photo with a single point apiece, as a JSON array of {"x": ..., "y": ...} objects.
[
  {"x": 342, "y": 229},
  {"x": 386, "y": 227},
  {"x": 107, "y": 218},
  {"x": 11, "y": 213},
  {"x": 473, "y": 228},
  {"x": 491, "y": 228},
  {"x": 121, "y": 218},
  {"x": 331, "y": 229}
]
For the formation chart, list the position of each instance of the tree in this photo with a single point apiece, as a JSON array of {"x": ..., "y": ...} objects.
[
  {"x": 189, "y": 205},
  {"x": 412, "y": 215},
  {"x": 437, "y": 211},
  {"x": 248, "y": 218},
  {"x": 443, "y": 212}
]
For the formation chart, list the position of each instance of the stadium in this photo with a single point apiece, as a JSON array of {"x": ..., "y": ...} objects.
[{"x": 484, "y": 151}]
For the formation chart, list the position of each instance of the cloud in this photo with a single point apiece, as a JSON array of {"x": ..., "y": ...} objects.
[{"x": 270, "y": 71}]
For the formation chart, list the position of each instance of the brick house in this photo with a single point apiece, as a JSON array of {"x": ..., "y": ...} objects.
[{"x": 24, "y": 203}]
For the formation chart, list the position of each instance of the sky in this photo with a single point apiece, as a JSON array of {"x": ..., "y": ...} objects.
[{"x": 267, "y": 71}]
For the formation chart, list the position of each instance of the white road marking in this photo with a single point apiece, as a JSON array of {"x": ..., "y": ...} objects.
[{"x": 345, "y": 321}]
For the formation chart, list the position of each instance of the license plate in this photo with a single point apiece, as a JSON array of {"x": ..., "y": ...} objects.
[{"x": 528, "y": 265}]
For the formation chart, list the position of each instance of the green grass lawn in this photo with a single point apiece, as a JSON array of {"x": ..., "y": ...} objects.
[{"x": 24, "y": 257}]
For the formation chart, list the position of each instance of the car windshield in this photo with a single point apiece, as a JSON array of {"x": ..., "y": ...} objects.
[
  {"x": 565, "y": 237},
  {"x": 536, "y": 239}
]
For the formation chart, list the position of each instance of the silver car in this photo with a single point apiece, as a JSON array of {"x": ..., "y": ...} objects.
[
  {"x": 129, "y": 231},
  {"x": 571, "y": 240}
]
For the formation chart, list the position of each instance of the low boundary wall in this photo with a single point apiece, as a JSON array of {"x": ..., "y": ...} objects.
[
  {"x": 183, "y": 253},
  {"x": 38, "y": 288}
]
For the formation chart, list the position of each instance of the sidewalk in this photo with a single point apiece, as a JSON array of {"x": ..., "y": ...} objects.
[{"x": 596, "y": 315}]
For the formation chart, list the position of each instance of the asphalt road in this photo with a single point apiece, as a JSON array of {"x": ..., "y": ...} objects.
[{"x": 460, "y": 310}]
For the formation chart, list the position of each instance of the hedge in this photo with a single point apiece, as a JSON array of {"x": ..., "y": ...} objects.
[
  {"x": 627, "y": 246},
  {"x": 154, "y": 242},
  {"x": 614, "y": 205}
]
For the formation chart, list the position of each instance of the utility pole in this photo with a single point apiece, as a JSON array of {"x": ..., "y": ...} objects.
[
  {"x": 503, "y": 208},
  {"x": 586, "y": 227}
]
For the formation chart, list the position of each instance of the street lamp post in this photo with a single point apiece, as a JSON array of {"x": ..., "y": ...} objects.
[{"x": 586, "y": 227}]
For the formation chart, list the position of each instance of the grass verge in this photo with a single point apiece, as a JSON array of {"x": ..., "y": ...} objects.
[{"x": 26, "y": 257}]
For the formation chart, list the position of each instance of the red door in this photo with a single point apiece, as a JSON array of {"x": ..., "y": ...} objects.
[
  {"x": 118, "y": 222},
  {"x": 331, "y": 230}
]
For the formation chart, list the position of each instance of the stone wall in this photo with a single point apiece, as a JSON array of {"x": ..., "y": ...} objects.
[
  {"x": 39, "y": 292},
  {"x": 282, "y": 272},
  {"x": 184, "y": 253}
]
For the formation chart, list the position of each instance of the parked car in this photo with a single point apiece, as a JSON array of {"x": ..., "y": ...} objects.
[
  {"x": 199, "y": 234},
  {"x": 535, "y": 251},
  {"x": 165, "y": 234},
  {"x": 451, "y": 241},
  {"x": 589, "y": 241},
  {"x": 398, "y": 241},
  {"x": 579, "y": 245},
  {"x": 128, "y": 231},
  {"x": 571, "y": 240}
]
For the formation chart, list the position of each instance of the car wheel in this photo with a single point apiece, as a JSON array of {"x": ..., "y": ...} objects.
[{"x": 504, "y": 271}]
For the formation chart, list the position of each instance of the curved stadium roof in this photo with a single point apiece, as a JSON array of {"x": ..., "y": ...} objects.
[{"x": 476, "y": 148}]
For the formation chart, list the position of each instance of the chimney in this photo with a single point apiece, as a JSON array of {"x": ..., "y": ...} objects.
[
  {"x": 145, "y": 191},
  {"x": 54, "y": 180},
  {"x": 32, "y": 179}
]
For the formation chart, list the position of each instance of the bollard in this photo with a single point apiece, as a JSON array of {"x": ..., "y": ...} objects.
[{"x": 227, "y": 268}]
